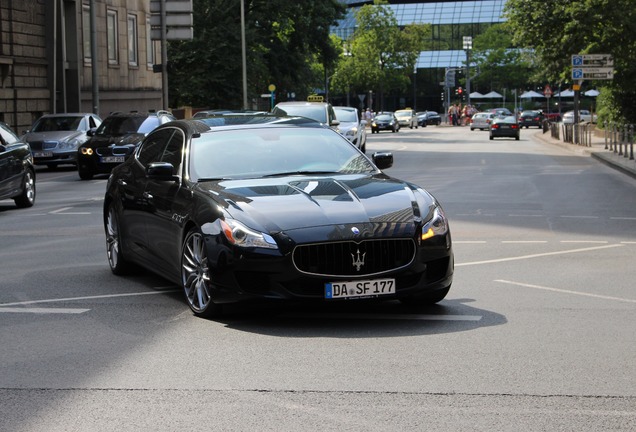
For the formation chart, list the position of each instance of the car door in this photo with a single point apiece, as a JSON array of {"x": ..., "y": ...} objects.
[
  {"x": 10, "y": 163},
  {"x": 168, "y": 206},
  {"x": 131, "y": 185}
]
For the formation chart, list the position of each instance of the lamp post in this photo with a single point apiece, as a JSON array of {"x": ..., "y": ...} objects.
[{"x": 468, "y": 46}]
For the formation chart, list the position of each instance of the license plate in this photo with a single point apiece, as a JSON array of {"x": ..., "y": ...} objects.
[
  {"x": 505, "y": 127},
  {"x": 42, "y": 154},
  {"x": 360, "y": 288},
  {"x": 111, "y": 159}
]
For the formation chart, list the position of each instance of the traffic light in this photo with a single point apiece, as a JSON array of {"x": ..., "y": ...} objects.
[{"x": 460, "y": 91}]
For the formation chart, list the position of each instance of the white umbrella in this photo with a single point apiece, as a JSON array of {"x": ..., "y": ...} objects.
[
  {"x": 493, "y": 95},
  {"x": 592, "y": 93},
  {"x": 476, "y": 95},
  {"x": 531, "y": 94},
  {"x": 565, "y": 93}
]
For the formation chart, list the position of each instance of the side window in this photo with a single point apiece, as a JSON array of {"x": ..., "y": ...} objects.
[
  {"x": 7, "y": 136},
  {"x": 174, "y": 151},
  {"x": 152, "y": 147}
]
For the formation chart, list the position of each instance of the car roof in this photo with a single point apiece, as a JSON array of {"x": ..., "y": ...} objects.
[
  {"x": 74, "y": 114},
  {"x": 232, "y": 122}
]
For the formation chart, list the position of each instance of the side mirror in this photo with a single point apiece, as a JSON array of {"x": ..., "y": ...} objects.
[
  {"x": 161, "y": 171},
  {"x": 383, "y": 160},
  {"x": 91, "y": 132},
  {"x": 363, "y": 122},
  {"x": 335, "y": 122}
]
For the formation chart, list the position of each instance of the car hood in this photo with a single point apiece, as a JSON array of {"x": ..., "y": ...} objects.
[
  {"x": 106, "y": 140},
  {"x": 53, "y": 136},
  {"x": 292, "y": 203}
]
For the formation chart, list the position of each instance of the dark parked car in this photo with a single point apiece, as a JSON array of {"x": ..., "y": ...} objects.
[
  {"x": 17, "y": 174},
  {"x": 115, "y": 140},
  {"x": 385, "y": 121},
  {"x": 425, "y": 118},
  {"x": 504, "y": 127},
  {"x": 55, "y": 138},
  {"x": 531, "y": 118},
  {"x": 255, "y": 212}
]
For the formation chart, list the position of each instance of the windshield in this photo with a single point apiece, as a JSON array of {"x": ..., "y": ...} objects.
[
  {"x": 54, "y": 124},
  {"x": 384, "y": 117},
  {"x": 346, "y": 115},
  {"x": 318, "y": 113},
  {"x": 257, "y": 152},
  {"x": 118, "y": 125},
  {"x": 403, "y": 114}
]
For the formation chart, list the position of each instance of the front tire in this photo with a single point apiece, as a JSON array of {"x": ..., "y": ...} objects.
[
  {"x": 195, "y": 276},
  {"x": 116, "y": 261},
  {"x": 85, "y": 174},
  {"x": 27, "y": 197},
  {"x": 426, "y": 299}
]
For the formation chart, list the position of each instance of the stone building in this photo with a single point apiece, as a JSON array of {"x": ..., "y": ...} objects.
[{"x": 46, "y": 59}]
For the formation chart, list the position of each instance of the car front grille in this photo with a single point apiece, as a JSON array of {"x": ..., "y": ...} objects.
[
  {"x": 42, "y": 145},
  {"x": 350, "y": 258}
]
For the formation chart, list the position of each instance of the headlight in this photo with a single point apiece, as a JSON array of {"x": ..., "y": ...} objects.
[
  {"x": 438, "y": 225},
  {"x": 70, "y": 144},
  {"x": 351, "y": 132},
  {"x": 240, "y": 235},
  {"x": 86, "y": 151}
]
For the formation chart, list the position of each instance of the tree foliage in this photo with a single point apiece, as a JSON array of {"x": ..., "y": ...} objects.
[
  {"x": 501, "y": 64},
  {"x": 380, "y": 55},
  {"x": 283, "y": 39},
  {"x": 558, "y": 29}
]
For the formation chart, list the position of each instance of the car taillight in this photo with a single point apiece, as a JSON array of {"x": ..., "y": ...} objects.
[
  {"x": 514, "y": 126},
  {"x": 495, "y": 126}
]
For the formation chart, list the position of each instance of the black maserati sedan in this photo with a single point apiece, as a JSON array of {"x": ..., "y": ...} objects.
[
  {"x": 274, "y": 208},
  {"x": 17, "y": 173}
]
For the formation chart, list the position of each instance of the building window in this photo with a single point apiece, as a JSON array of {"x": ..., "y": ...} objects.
[
  {"x": 86, "y": 33},
  {"x": 132, "y": 41},
  {"x": 150, "y": 46},
  {"x": 113, "y": 46}
]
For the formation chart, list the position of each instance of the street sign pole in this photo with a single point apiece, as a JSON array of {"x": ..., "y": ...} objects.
[{"x": 164, "y": 56}]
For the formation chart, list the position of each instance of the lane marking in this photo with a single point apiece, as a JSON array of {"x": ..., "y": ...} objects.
[
  {"x": 525, "y": 241},
  {"x": 562, "y": 291},
  {"x": 623, "y": 218},
  {"x": 63, "y": 211},
  {"x": 42, "y": 310},
  {"x": 585, "y": 241},
  {"x": 388, "y": 317},
  {"x": 579, "y": 217},
  {"x": 500, "y": 260},
  {"x": 104, "y": 296}
]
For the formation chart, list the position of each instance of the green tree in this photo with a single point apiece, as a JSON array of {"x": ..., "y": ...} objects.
[
  {"x": 501, "y": 64},
  {"x": 558, "y": 29},
  {"x": 380, "y": 55},
  {"x": 284, "y": 39}
]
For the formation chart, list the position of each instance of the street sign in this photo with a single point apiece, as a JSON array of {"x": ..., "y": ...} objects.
[
  {"x": 173, "y": 33},
  {"x": 547, "y": 91},
  {"x": 592, "y": 60},
  {"x": 178, "y": 15},
  {"x": 593, "y": 73}
]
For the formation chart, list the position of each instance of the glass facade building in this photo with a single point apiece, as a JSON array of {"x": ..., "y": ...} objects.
[{"x": 450, "y": 21}]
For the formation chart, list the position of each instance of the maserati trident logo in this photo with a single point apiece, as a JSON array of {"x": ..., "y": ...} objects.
[{"x": 358, "y": 261}]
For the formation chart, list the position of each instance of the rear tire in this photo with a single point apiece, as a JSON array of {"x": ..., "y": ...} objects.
[
  {"x": 27, "y": 197},
  {"x": 116, "y": 261}
]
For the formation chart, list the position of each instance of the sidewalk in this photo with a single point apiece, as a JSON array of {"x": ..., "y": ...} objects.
[{"x": 597, "y": 151}]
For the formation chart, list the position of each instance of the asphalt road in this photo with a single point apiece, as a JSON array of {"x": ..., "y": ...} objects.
[{"x": 537, "y": 332}]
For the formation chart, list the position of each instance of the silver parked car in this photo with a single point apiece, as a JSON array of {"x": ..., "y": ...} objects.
[
  {"x": 351, "y": 126},
  {"x": 54, "y": 138},
  {"x": 481, "y": 120}
]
